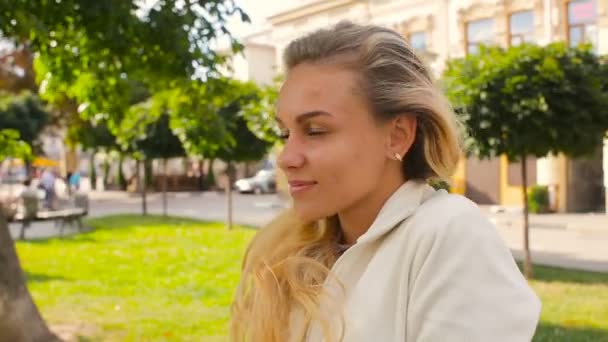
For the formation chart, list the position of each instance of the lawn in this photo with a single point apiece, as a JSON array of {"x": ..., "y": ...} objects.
[
  {"x": 575, "y": 305},
  {"x": 139, "y": 279},
  {"x": 155, "y": 279}
]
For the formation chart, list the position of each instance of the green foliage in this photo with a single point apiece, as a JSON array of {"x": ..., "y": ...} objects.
[
  {"x": 160, "y": 141},
  {"x": 12, "y": 146},
  {"x": 260, "y": 113},
  {"x": 214, "y": 124},
  {"x": 94, "y": 58},
  {"x": 25, "y": 114},
  {"x": 528, "y": 100},
  {"x": 440, "y": 184},
  {"x": 91, "y": 135},
  {"x": 538, "y": 199}
]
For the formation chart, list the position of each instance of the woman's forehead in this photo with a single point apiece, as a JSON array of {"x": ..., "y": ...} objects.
[{"x": 312, "y": 87}]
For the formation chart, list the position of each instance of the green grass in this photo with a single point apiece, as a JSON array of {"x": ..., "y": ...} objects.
[
  {"x": 575, "y": 305},
  {"x": 155, "y": 279},
  {"x": 139, "y": 279}
]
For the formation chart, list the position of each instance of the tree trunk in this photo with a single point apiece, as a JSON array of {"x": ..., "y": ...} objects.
[
  {"x": 92, "y": 171},
  {"x": 122, "y": 182},
  {"x": 528, "y": 271},
  {"x": 165, "y": 187},
  {"x": 20, "y": 320},
  {"x": 148, "y": 172},
  {"x": 106, "y": 172},
  {"x": 201, "y": 177},
  {"x": 230, "y": 175},
  {"x": 210, "y": 175},
  {"x": 247, "y": 167},
  {"x": 142, "y": 188}
]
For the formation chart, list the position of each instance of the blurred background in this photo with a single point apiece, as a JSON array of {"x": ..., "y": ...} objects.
[{"x": 138, "y": 151}]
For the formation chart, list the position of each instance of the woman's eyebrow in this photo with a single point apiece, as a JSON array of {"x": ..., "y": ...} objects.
[{"x": 306, "y": 116}]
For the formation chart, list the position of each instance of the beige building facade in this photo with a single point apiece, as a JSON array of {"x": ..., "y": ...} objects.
[{"x": 444, "y": 29}]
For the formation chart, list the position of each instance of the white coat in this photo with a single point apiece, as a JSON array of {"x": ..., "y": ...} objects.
[{"x": 431, "y": 268}]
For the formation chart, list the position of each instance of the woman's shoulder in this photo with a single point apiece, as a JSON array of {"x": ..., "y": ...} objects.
[{"x": 453, "y": 215}]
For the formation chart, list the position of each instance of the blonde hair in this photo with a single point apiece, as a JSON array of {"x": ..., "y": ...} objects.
[{"x": 288, "y": 261}]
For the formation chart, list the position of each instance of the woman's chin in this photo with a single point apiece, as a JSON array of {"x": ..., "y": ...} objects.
[{"x": 309, "y": 212}]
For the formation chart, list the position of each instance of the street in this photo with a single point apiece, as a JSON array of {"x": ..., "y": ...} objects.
[{"x": 565, "y": 244}]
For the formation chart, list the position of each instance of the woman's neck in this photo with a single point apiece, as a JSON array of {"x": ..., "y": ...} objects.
[{"x": 357, "y": 219}]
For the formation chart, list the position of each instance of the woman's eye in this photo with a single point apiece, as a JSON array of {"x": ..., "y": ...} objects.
[
  {"x": 284, "y": 135},
  {"x": 316, "y": 132},
  {"x": 313, "y": 130}
]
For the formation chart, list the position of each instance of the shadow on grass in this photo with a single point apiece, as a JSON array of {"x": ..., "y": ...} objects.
[
  {"x": 122, "y": 221},
  {"x": 556, "y": 274},
  {"x": 547, "y": 332},
  {"x": 74, "y": 238},
  {"x": 125, "y": 222},
  {"x": 39, "y": 278}
]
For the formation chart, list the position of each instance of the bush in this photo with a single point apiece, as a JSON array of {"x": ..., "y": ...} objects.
[
  {"x": 538, "y": 199},
  {"x": 440, "y": 184}
]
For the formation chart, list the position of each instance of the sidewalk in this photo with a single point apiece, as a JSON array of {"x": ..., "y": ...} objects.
[{"x": 591, "y": 222}]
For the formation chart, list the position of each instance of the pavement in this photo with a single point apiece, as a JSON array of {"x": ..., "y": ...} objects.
[{"x": 577, "y": 241}]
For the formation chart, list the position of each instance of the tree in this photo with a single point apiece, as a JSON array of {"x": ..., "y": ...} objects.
[
  {"x": 17, "y": 71},
  {"x": 216, "y": 127},
  {"x": 88, "y": 56},
  {"x": 25, "y": 114},
  {"x": 244, "y": 147},
  {"x": 525, "y": 101},
  {"x": 161, "y": 142},
  {"x": 93, "y": 136},
  {"x": 11, "y": 145},
  {"x": 17, "y": 304}
]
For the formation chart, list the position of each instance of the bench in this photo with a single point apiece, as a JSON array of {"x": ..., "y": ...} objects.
[{"x": 65, "y": 216}]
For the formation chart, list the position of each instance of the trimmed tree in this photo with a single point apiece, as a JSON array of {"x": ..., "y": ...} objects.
[
  {"x": 211, "y": 122},
  {"x": 161, "y": 143},
  {"x": 26, "y": 114},
  {"x": 529, "y": 101}
]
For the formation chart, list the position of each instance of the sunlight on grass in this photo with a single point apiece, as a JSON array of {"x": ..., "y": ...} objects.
[
  {"x": 575, "y": 305},
  {"x": 139, "y": 278}
]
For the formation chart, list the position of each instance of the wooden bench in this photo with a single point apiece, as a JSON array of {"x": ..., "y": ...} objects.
[{"x": 62, "y": 217}]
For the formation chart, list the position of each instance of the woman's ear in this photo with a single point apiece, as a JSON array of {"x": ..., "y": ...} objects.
[{"x": 402, "y": 133}]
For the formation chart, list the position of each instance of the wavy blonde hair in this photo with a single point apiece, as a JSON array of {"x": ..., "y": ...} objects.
[{"x": 288, "y": 261}]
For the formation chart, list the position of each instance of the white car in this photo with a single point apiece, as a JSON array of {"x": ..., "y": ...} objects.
[{"x": 264, "y": 181}]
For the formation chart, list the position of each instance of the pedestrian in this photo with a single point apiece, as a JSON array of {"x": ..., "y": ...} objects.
[
  {"x": 74, "y": 181},
  {"x": 369, "y": 250},
  {"x": 47, "y": 183}
]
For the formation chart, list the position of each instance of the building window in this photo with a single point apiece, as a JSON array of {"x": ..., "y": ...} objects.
[
  {"x": 418, "y": 41},
  {"x": 521, "y": 28},
  {"x": 582, "y": 18},
  {"x": 479, "y": 32}
]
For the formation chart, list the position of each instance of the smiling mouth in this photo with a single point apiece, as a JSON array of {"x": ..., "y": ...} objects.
[{"x": 298, "y": 187}]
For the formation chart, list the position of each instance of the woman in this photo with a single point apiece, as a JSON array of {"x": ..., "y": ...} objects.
[{"x": 370, "y": 251}]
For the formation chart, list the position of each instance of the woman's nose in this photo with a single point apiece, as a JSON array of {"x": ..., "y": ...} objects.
[{"x": 290, "y": 157}]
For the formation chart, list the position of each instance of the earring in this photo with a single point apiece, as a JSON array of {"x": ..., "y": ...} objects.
[{"x": 398, "y": 157}]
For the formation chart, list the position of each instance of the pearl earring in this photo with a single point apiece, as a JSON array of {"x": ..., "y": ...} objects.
[{"x": 399, "y": 158}]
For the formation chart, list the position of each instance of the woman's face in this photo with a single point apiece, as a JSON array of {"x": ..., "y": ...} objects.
[{"x": 335, "y": 152}]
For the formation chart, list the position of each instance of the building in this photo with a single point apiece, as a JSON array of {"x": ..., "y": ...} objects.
[{"x": 444, "y": 29}]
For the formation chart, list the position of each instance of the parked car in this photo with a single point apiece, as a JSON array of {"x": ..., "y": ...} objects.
[{"x": 264, "y": 181}]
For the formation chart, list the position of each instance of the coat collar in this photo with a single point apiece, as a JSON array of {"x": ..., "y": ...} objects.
[{"x": 400, "y": 205}]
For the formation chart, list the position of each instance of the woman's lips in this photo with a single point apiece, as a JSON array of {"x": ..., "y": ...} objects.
[{"x": 297, "y": 187}]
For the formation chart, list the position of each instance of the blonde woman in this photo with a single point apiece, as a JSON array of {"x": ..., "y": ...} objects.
[{"x": 370, "y": 251}]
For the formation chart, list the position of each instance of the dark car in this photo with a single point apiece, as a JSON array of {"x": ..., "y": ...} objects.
[{"x": 264, "y": 181}]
